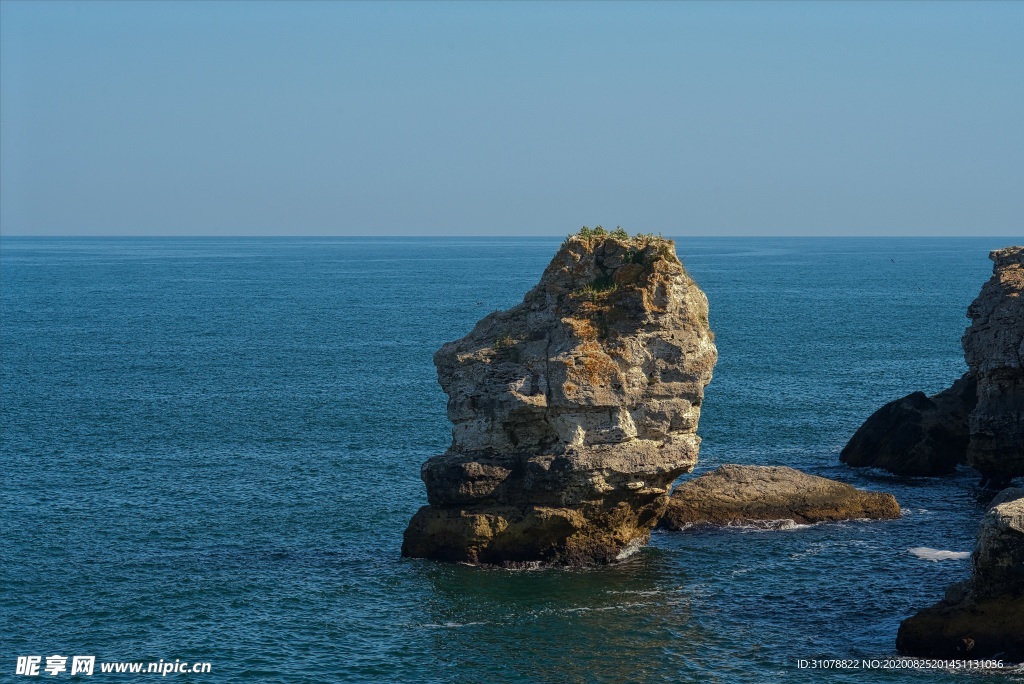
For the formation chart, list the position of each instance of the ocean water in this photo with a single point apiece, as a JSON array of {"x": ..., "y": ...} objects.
[{"x": 211, "y": 447}]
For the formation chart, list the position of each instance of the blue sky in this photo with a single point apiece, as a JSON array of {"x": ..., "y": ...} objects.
[{"x": 531, "y": 118}]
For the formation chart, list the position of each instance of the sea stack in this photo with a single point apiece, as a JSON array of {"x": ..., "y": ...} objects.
[
  {"x": 573, "y": 411},
  {"x": 994, "y": 350}
]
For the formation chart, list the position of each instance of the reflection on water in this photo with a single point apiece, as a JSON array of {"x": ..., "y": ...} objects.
[{"x": 617, "y": 623}]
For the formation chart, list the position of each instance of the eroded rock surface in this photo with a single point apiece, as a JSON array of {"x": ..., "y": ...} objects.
[
  {"x": 573, "y": 412},
  {"x": 983, "y": 617},
  {"x": 917, "y": 435},
  {"x": 994, "y": 350},
  {"x": 751, "y": 494}
]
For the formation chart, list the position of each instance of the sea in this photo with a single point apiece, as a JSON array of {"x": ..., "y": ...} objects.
[{"x": 211, "y": 447}]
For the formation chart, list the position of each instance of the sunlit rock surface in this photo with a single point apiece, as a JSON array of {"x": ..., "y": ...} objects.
[
  {"x": 573, "y": 412},
  {"x": 735, "y": 494}
]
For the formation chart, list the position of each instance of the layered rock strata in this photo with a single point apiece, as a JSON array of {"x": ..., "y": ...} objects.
[
  {"x": 983, "y": 617},
  {"x": 980, "y": 419},
  {"x": 918, "y": 434},
  {"x": 994, "y": 350},
  {"x": 735, "y": 494},
  {"x": 573, "y": 411}
]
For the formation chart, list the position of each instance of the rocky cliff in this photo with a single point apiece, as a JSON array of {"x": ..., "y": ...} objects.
[
  {"x": 918, "y": 434},
  {"x": 983, "y": 617},
  {"x": 735, "y": 494},
  {"x": 980, "y": 419},
  {"x": 573, "y": 411},
  {"x": 994, "y": 350}
]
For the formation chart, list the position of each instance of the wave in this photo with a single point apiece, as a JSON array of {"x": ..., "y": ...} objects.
[
  {"x": 935, "y": 555},
  {"x": 784, "y": 524}
]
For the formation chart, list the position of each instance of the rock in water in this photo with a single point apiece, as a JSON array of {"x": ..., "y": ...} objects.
[
  {"x": 917, "y": 435},
  {"x": 994, "y": 349},
  {"x": 980, "y": 419},
  {"x": 573, "y": 412},
  {"x": 983, "y": 617},
  {"x": 752, "y": 494}
]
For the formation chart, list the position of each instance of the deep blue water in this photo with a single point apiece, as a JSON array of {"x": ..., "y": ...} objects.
[{"x": 211, "y": 447}]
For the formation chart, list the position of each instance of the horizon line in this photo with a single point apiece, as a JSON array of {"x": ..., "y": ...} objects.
[{"x": 542, "y": 236}]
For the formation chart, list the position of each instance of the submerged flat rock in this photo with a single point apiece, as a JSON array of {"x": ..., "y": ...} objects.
[
  {"x": 983, "y": 617},
  {"x": 736, "y": 494},
  {"x": 572, "y": 412}
]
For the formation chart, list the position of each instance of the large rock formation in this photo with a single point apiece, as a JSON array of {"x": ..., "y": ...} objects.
[
  {"x": 980, "y": 419},
  {"x": 573, "y": 411},
  {"x": 983, "y": 617},
  {"x": 752, "y": 494},
  {"x": 916, "y": 435},
  {"x": 994, "y": 349}
]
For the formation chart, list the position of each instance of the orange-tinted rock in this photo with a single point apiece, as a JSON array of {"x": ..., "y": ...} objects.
[{"x": 573, "y": 412}]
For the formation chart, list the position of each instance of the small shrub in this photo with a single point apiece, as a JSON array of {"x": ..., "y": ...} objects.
[
  {"x": 603, "y": 283},
  {"x": 635, "y": 256},
  {"x": 619, "y": 233}
]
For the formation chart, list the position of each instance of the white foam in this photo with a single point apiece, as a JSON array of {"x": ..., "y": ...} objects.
[
  {"x": 925, "y": 553},
  {"x": 630, "y": 549},
  {"x": 782, "y": 525}
]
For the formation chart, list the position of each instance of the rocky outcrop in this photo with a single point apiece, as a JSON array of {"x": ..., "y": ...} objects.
[
  {"x": 983, "y": 617},
  {"x": 573, "y": 412},
  {"x": 994, "y": 350},
  {"x": 980, "y": 419},
  {"x": 917, "y": 435},
  {"x": 751, "y": 494}
]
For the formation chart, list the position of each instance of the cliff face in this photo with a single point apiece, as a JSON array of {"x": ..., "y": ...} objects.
[
  {"x": 983, "y": 617},
  {"x": 573, "y": 412},
  {"x": 994, "y": 350},
  {"x": 980, "y": 419}
]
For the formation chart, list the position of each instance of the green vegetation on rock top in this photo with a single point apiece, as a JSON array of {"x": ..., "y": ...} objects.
[{"x": 640, "y": 240}]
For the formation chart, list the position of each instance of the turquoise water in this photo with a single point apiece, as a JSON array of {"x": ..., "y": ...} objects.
[{"x": 211, "y": 447}]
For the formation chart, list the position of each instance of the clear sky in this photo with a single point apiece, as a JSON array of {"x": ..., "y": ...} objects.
[{"x": 530, "y": 118}]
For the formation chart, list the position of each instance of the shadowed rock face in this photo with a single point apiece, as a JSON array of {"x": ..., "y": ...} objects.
[
  {"x": 916, "y": 435},
  {"x": 994, "y": 349},
  {"x": 983, "y": 617},
  {"x": 752, "y": 494},
  {"x": 980, "y": 419},
  {"x": 573, "y": 412}
]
